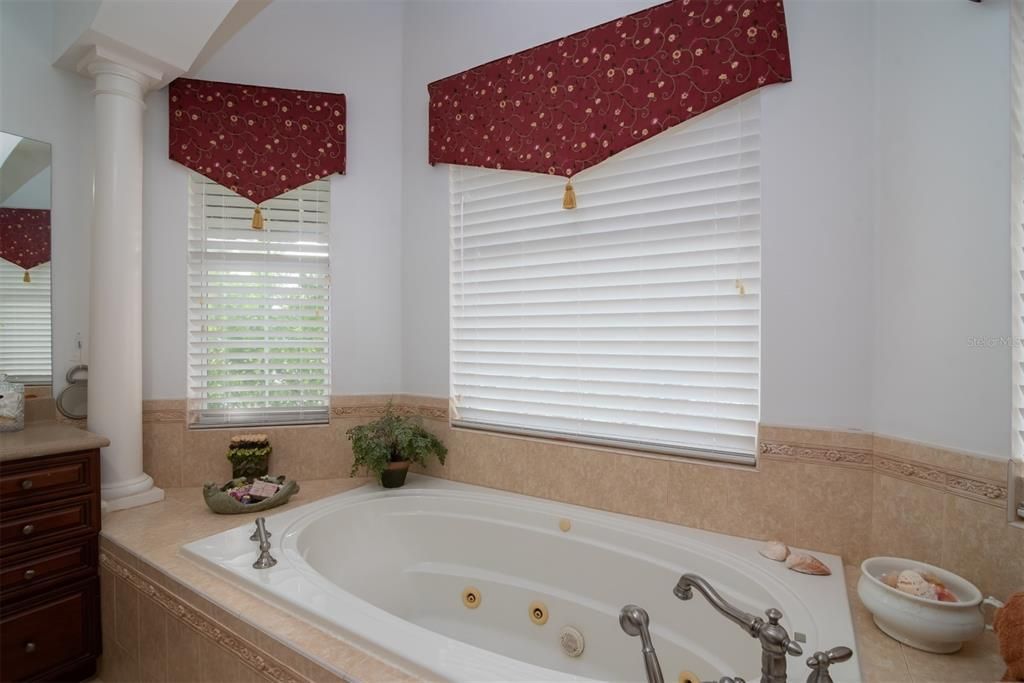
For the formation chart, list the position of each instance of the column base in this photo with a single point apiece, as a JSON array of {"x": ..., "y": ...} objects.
[
  {"x": 153, "y": 495},
  {"x": 130, "y": 494}
]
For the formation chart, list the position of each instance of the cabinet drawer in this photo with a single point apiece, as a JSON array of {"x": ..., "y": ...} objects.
[
  {"x": 26, "y": 481},
  {"x": 48, "y": 634},
  {"x": 44, "y": 566},
  {"x": 26, "y": 527}
]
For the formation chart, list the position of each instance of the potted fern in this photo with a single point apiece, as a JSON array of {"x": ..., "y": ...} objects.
[
  {"x": 387, "y": 447},
  {"x": 249, "y": 455}
]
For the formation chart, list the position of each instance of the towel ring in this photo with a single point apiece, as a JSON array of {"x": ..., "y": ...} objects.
[{"x": 72, "y": 399}]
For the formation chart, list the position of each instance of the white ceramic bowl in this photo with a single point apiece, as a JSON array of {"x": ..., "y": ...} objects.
[{"x": 921, "y": 623}]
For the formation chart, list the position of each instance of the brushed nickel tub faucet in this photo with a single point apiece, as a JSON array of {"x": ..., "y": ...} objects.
[
  {"x": 775, "y": 642},
  {"x": 774, "y": 639}
]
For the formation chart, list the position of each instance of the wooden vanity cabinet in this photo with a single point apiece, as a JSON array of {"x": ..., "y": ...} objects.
[{"x": 49, "y": 580}]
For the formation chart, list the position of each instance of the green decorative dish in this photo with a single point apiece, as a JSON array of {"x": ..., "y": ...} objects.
[{"x": 220, "y": 500}]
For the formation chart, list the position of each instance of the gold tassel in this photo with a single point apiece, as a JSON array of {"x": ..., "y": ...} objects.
[
  {"x": 257, "y": 219},
  {"x": 569, "y": 198},
  {"x": 26, "y": 277},
  {"x": 740, "y": 287}
]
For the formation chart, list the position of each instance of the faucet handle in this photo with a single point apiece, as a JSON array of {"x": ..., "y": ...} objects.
[
  {"x": 829, "y": 657},
  {"x": 819, "y": 663},
  {"x": 265, "y": 559},
  {"x": 256, "y": 532},
  {"x": 791, "y": 647}
]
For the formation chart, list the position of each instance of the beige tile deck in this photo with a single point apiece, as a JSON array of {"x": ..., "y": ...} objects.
[{"x": 149, "y": 538}]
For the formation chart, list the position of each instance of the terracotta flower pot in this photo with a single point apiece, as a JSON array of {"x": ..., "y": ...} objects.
[{"x": 394, "y": 476}]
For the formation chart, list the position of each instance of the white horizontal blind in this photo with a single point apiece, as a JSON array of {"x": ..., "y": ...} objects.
[
  {"x": 25, "y": 346},
  {"x": 258, "y": 307},
  {"x": 632, "y": 320}
]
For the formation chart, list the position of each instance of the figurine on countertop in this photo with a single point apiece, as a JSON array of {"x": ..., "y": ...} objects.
[
  {"x": 249, "y": 495},
  {"x": 12, "y": 405},
  {"x": 1009, "y": 627}
]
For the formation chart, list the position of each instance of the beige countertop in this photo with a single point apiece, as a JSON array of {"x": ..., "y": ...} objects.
[
  {"x": 47, "y": 438},
  {"x": 153, "y": 534}
]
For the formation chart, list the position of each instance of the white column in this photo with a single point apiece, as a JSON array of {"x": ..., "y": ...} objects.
[{"x": 115, "y": 307}]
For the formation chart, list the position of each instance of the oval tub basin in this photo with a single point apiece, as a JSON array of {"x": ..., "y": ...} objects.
[{"x": 388, "y": 570}]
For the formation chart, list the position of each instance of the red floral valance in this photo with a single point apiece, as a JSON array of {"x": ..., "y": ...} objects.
[
  {"x": 25, "y": 237},
  {"x": 567, "y": 105},
  {"x": 259, "y": 142}
]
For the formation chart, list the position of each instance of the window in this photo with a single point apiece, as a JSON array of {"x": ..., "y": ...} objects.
[
  {"x": 25, "y": 324},
  {"x": 633, "y": 320},
  {"x": 258, "y": 307}
]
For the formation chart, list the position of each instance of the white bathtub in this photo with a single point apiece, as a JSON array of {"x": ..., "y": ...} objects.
[{"x": 386, "y": 569}]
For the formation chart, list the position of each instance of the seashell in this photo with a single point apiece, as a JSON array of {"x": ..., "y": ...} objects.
[
  {"x": 891, "y": 579},
  {"x": 932, "y": 579},
  {"x": 775, "y": 550},
  {"x": 913, "y": 583},
  {"x": 807, "y": 564}
]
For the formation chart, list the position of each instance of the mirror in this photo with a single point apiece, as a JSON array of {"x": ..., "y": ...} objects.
[{"x": 25, "y": 309}]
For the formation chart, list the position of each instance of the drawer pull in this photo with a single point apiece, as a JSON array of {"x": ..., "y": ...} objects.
[
  {"x": 26, "y": 484},
  {"x": 30, "y": 647},
  {"x": 30, "y": 574},
  {"x": 28, "y": 529}
]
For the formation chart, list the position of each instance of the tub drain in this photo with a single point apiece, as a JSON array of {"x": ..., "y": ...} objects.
[{"x": 571, "y": 641}]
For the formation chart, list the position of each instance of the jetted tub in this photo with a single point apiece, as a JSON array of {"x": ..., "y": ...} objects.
[{"x": 388, "y": 570}]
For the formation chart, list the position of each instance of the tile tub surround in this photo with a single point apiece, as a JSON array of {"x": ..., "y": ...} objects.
[
  {"x": 175, "y": 455},
  {"x": 166, "y": 618},
  {"x": 849, "y": 493},
  {"x": 854, "y": 494}
]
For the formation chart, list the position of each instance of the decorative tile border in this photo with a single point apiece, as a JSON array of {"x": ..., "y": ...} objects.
[
  {"x": 371, "y": 411},
  {"x": 248, "y": 653},
  {"x": 341, "y": 407},
  {"x": 371, "y": 406},
  {"x": 976, "y": 488},
  {"x": 979, "y": 490},
  {"x": 829, "y": 455},
  {"x": 163, "y": 416},
  {"x": 428, "y": 412},
  {"x": 916, "y": 472},
  {"x": 959, "y": 484}
]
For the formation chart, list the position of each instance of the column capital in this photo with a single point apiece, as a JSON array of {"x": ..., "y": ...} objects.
[{"x": 131, "y": 77}]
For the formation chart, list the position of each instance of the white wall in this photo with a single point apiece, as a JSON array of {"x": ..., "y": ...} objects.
[
  {"x": 817, "y": 245},
  {"x": 41, "y": 102},
  {"x": 349, "y": 47},
  {"x": 817, "y": 195},
  {"x": 942, "y": 233},
  {"x": 885, "y": 200}
]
